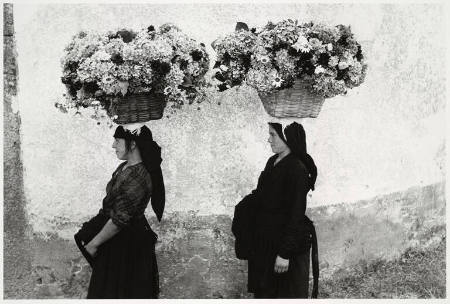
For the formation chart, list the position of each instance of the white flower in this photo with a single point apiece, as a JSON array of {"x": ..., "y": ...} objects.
[
  {"x": 167, "y": 90},
  {"x": 334, "y": 60},
  {"x": 302, "y": 39},
  {"x": 342, "y": 65},
  {"x": 302, "y": 44},
  {"x": 81, "y": 94},
  {"x": 107, "y": 79},
  {"x": 263, "y": 58},
  {"x": 305, "y": 49},
  {"x": 319, "y": 69},
  {"x": 347, "y": 58},
  {"x": 102, "y": 55},
  {"x": 123, "y": 87},
  {"x": 277, "y": 80},
  {"x": 350, "y": 61},
  {"x": 329, "y": 47},
  {"x": 315, "y": 43},
  {"x": 223, "y": 67},
  {"x": 132, "y": 69},
  {"x": 261, "y": 79},
  {"x": 129, "y": 52}
]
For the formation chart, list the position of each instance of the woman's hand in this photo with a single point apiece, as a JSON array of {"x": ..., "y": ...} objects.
[
  {"x": 91, "y": 249},
  {"x": 281, "y": 265}
]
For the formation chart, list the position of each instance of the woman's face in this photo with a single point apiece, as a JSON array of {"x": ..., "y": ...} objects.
[
  {"x": 276, "y": 143},
  {"x": 121, "y": 148}
]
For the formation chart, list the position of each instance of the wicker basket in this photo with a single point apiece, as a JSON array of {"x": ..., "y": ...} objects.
[
  {"x": 296, "y": 101},
  {"x": 139, "y": 107}
]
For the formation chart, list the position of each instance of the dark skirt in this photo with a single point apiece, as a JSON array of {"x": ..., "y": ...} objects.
[
  {"x": 125, "y": 266},
  {"x": 265, "y": 283}
]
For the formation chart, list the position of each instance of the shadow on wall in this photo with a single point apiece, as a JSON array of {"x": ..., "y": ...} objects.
[{"x": 196, "y": 253}]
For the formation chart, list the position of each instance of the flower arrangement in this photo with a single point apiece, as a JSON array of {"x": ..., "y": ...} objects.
[
  {"x": 98, "y": 68},
  {"x": 273, "y": 57}
]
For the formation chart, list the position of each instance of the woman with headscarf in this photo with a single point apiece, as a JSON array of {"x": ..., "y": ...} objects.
[
  {"x": 280, "y": 242},
  {"x": 118, "y": 242}
]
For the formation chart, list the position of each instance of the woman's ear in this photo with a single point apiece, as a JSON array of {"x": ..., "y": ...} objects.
[{"x": 133, "y": 145}]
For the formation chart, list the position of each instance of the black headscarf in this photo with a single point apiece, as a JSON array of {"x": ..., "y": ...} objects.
[
  {"x": 296, "y": 141},
  {"x": 295, "y": 138},
  {"x": 279, "y": 129},
  {"x": 151, "y": 157}
]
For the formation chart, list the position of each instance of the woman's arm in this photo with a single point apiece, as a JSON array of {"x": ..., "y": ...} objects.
[
  {"x": 289, "y": 242},
  {"x": 126, "y": 204},
  {"x": 261, "y": 177},
  {"x": 108, "y": 231}
]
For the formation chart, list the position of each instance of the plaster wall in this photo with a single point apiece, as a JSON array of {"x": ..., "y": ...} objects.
[
  {"x": 384, "y": 136},
  {"x": 380, "y": 150},
  {"x": 16, "y": 256},
  {"x": 196, "y": 257}
]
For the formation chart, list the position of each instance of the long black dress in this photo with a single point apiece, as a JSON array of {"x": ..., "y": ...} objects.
[
  {"x": 277, "y": 224},
  {"x": 125, "y": 265}
]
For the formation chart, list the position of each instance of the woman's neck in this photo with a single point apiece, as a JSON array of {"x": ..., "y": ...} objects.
[
  {"x": 133, "y": 159},
  {"x": 282, "y": 155}
]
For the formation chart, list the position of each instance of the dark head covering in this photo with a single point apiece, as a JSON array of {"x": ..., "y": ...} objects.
[
  {"x": 296, "y": 141},
  {"x": 279, "y": 129},
  {"x": 151, "y": 157}
]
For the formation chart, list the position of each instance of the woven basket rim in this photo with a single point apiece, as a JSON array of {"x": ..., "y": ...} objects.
[
  {"x": 138, "y": 107},
  {"x": 306, "y": 83},
  {"x": 296, "y": 101}
]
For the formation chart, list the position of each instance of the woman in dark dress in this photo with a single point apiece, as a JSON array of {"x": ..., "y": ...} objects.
[
  {"x": 118, "y": 242},
  {"x": 278, "y": 264}
]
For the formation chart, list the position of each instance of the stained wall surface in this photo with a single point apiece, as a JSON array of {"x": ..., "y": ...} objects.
[{"x": 386, "y": 136}]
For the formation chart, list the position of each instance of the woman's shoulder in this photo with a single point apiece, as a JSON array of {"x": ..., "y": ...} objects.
[
  {"x": 296, "y": 164},
  {"x": 271, "y": 159},
  {"x": 136, "y": 172},
  {"x": 119, "y": 167},
  {"x": 270, "y": 162}
]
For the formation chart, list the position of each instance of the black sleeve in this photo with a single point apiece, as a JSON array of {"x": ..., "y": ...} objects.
[
  {"x": 298, "y": 189},
  {"x": 130, "y": 199},
  {"x": 269, "y": 163}
]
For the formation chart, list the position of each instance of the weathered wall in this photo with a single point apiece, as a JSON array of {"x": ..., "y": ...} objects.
[
  {"x": 196, "y": 257},
  {"x": 374, "y": 144},
  {"x": 385, "y": 136},
  {"x": 16, "y": 253}
]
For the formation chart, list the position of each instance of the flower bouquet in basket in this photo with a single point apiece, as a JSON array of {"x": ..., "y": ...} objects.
[
  {"x": 132, "y": 75},
  {"x": 293, "y": 66}
]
